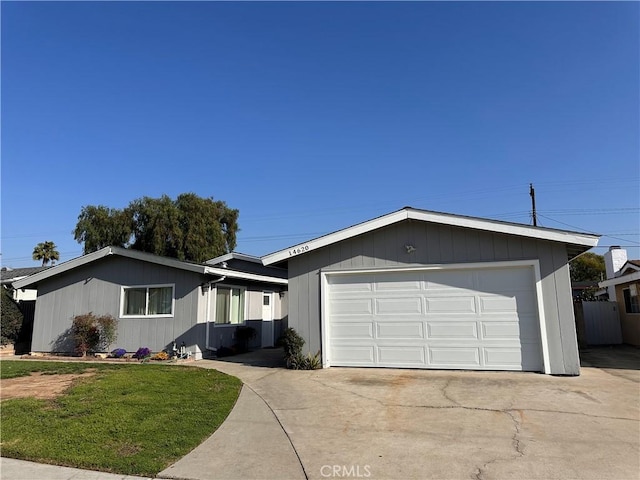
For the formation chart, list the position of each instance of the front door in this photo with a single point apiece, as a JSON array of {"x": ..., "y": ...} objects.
[{"x": 267, "y": 319}]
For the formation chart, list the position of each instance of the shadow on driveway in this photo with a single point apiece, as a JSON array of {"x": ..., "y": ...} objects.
[
  {"x": 624, "y": 357},
  {"x": 266, "y": 357}
]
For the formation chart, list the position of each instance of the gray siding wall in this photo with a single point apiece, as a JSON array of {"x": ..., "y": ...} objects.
[
  {"x": 97, "y": 287},
  {"x": 436, "y": 244}
]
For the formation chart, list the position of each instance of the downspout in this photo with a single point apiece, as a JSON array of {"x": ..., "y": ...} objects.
[{"x": 206, "y": 343}]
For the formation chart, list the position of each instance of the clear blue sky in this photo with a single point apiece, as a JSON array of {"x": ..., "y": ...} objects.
[{"x": 311, "y": 117}]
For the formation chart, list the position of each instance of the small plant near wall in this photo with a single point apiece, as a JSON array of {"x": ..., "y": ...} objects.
[
  {"x": 142, "y": 353},
  {"x": 296, "y": 360},
  {"x": 93, "y": 333},
  {"x": 160, "y": 356},
  {"x": 118, "y": 353}
]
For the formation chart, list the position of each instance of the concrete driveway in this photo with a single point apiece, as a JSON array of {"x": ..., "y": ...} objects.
[{"x": 398, "y": 424}]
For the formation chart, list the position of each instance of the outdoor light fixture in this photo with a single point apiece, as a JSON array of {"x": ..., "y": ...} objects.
[{"x": 410, "y": 248}]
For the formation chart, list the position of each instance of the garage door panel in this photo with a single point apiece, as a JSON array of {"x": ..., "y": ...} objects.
[
  {"x": 355, "y": 306},
  {"x": 503, "y": 280},
  {"x": 501, "y": 330},
  {"x": 349, "y": 283},
  {"x": 402, "y": 356},
  {"x": 455, "y": 279},
  {"x": 454, "y": 356},
  {"x": 399, "y": 330},
  {"x": 451, "y": 304},
  {"x": 352, "y": 330},
  {"x": 353, "y": 355},
  {"x": 399, "y": 306},
  {"x": 522, "y": 302},
  {"x": 453, "y": 330},
  {"x": 401, "y": 281},
  {"x": 502, "y": 358}
]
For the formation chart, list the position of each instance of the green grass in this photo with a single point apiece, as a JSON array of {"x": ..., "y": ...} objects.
[{"x": 128, "y": 419}]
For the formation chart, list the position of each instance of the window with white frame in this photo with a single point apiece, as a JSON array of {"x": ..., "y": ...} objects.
[
  {"x": 147, "y": 301},
  {"x": 631, "y": 299},
  {"x": 227, "y": 305}
]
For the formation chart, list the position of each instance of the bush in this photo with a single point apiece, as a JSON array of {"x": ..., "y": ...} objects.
[
  {"x": 118, "y": 353},
  {"x": 142, "y": 353},
  {"x": 12, "y": 318},
  {"x": 293, "y": 343},
  {"x": 92, "y": 333},
  {"x": 160, "y": 356}
]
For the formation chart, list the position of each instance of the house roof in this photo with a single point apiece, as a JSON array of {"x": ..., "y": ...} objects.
[
  {"x": 233, "y": 256},
  {"x": 9, "y": 275},
  {"x": 576, "y": 242},
  {"x": 630, "y": 272},
  {"x": 628, "y": 278},
  {"x": 34, "y": 279}
]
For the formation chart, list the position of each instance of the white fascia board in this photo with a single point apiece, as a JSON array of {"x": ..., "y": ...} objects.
[
  {"x": 335, "y": 237},
  {"x": 225, "y": 272},
  {"x": 574, "y": 238},
  {"x": 233, "y": 255},
  {"x": 62, "y": 267},
  {"x": 632, "y": 277},
  {"x": 151, "y": 258},
  {"x": 103, "y": 252}
]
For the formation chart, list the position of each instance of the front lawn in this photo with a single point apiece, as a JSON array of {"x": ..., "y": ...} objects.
[{"x": 129, "y": 419}]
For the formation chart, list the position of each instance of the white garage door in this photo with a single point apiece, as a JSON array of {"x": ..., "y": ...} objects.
[{"x": 480, "y": 319}]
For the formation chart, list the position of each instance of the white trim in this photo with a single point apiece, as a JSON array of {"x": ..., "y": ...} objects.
[
  {"x": 233, "y": 255},
  {"x": 245, "y": 275},
  {"x": 147, "y": 287},
  {"x": 145, "y": 257},
  {"x": 245, "y": 301},
  {"x": 534, "y": 264},
  {"x": 631, "y": 277},
  {"x": 573, "y": 238}
]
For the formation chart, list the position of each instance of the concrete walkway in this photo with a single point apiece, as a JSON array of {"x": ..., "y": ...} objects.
[
  {"x": 11, "y": 469},
  {"x": 250, "y": 444}
]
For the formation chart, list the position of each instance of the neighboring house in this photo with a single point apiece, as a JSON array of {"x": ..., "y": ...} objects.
[
  {"x": 422, "y": 289},
  {"x": 10, "y": 275},
  {"x": 157, "y": 300},
  {"x": 625, "y": 283}
]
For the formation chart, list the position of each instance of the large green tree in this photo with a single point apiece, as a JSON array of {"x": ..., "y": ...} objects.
[
  {"x": 587, "y": 267},
  {"x": 189, "y": 228},
  {"x": 46, "y": 252},
  {"x": 100, "y": 226}
]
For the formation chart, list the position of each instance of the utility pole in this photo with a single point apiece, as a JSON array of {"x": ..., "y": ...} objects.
[{"x": 532, "y": 192}]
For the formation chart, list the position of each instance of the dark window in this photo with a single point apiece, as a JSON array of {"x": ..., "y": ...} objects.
[{"x": 631, "y": 300}]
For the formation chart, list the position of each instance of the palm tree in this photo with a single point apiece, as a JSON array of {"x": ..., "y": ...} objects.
[{"x": 46, "y": 251}]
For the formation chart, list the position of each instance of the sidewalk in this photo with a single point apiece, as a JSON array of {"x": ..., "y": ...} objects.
[{"x": 11, "y": 469}]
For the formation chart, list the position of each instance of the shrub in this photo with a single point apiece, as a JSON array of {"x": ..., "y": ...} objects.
[
  {"x": 12, "y": 318},
  {"x": 305, "y": 362},
  {"x": 118, "y": 353},
  {"x": 93, "y": 333},
  {"x": 160, "y": 356},
  {"x": 293, "y": 343},
  {"x": 142, "y": 353}
]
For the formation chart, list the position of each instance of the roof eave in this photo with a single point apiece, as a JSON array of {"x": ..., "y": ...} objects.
[{"x": 583, "y": 241}]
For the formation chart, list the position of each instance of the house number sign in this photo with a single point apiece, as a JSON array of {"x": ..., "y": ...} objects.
[{"x": 298, "y": 250}]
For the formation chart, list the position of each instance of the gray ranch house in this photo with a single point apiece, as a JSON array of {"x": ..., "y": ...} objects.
[
  {"x": 159, "y": 300},
  {"x": 422, "y": 289}
]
